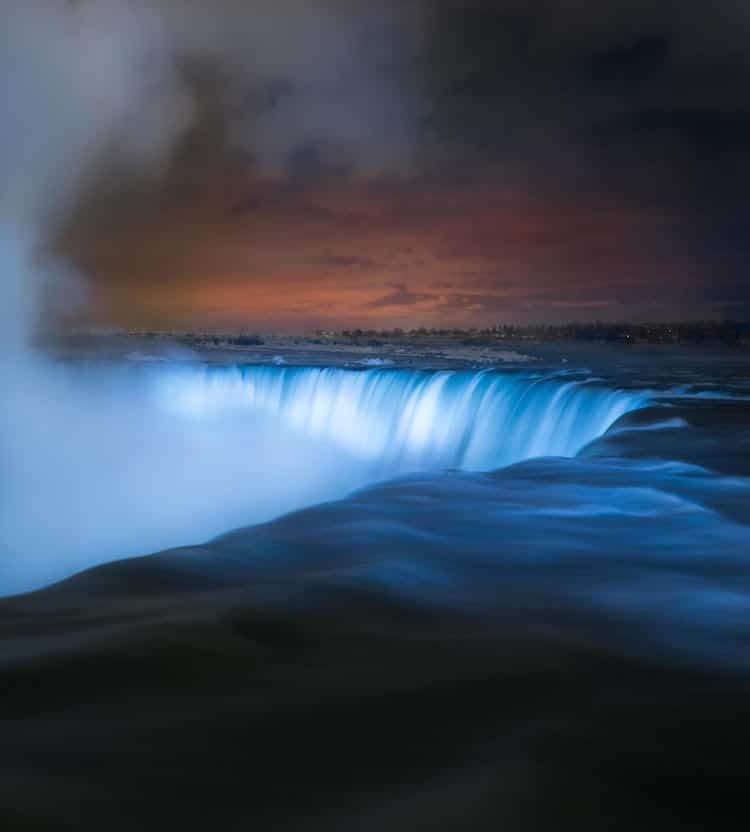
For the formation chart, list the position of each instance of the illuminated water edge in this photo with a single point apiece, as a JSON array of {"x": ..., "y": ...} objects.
[
  {"x": 109, "y": 462},
  {"x": 472, "y": 420}
]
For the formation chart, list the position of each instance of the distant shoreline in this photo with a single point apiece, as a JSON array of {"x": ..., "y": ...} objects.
[
  {"x": 431, "y": 352},
  {"x": 730, "y": 333}
]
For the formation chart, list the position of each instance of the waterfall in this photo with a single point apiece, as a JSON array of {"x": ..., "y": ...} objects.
[
  {"x": 408, "y": 419},
  {"x": 114, "y": 461}
]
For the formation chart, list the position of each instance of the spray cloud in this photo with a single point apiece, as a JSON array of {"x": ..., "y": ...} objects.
[{"x": 92, "y": 91}]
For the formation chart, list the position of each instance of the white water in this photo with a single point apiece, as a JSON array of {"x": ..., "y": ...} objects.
[
  {"x": 411, "y": 419},
  {"x": 104, "y": 463}
]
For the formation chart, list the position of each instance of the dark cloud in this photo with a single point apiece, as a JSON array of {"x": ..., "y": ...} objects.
[
  {"x": 529, "y": 146},
  {"x": 342, "y": 261},
  {"x": 627, "y": 69},
  {"x": 511, "y": 78},
  {"x": 401, "y": 296},
  {"x": 644, "y": 104}
]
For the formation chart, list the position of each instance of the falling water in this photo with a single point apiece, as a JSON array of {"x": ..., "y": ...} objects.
[
  {"x": 109, "y": 462},
  {"x": 475, "y": 420}
]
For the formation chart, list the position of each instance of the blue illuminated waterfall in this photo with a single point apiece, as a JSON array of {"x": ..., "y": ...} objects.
[
  {"x": 167, "y": 454},
  {"x": 408, "y": 419}
]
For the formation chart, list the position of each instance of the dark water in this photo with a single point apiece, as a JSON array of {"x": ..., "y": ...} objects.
[{"x": 560, "y": 642}]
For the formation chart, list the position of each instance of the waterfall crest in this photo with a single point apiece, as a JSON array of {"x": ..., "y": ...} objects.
[{"x": 406, "y": 419}]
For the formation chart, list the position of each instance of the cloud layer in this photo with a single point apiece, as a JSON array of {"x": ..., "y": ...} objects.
[{"x": 537, "y": 158}]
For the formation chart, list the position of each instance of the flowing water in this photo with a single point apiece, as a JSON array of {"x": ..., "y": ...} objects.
[
  {"x": 439, "y": 599},
  {"x": 111, "y": 461},
  {"x": 620, "y": 500},
  {"x": 409, "y": 419}
]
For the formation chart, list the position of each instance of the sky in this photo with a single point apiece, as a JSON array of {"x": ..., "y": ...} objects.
[{"x": 383, "y": 164}]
